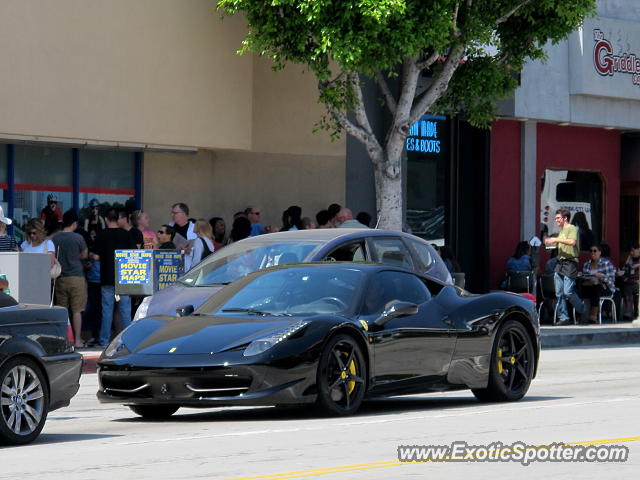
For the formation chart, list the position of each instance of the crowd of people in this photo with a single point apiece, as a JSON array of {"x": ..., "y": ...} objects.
[
  {"x": 597, "y": 278},
  {"x": 82, "y": 251},
  {"x": 83, "y": 267}
]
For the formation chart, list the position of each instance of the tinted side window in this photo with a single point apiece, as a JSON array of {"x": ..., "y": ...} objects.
[
  {"x": 423, "y": 253},
  {"x": 386, "y": 287},
  {"x": 392, "y": 251},
  {"x": 350, "y": 252}
]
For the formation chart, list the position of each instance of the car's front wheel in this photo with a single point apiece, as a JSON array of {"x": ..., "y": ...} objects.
[
  {"x": 341, "y": 377},
  {"x": 512, "y": 365},
  {"x": 24, "y": 401},
  {"x": 154, "y": 412}
]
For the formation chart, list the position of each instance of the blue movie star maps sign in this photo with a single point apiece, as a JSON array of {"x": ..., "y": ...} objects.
[
  {"x": 133, "y": 266},
  {"x": 168, "y": 267}
]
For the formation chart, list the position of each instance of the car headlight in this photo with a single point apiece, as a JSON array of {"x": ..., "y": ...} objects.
[
  {"x": 265, "y": 343},
  {"x": 116, "y": 346},
  {"x": 141, "y": 312}
]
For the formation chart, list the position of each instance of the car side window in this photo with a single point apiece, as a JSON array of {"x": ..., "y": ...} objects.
[
  {"x": 349, "y": 252},
  {"x": 385, "y": 287},
  {"x": 392, "y": 251},
  {"x": 423, "y": 253}
]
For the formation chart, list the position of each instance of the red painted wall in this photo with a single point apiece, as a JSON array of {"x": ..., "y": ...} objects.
[
  {"x": 563, "y": 148},
  {"x": 586, "y": 149},
  {"x": 504, "y": 201}
]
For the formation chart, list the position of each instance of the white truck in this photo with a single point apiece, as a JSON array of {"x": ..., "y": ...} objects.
[{"x": 552, "y": 198}]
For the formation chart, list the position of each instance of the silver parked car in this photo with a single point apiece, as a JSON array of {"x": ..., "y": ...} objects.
[{"x": 254, "y": 253}]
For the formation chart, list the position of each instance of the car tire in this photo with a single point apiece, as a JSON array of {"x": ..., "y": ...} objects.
[
  {"x": 154, "y": 412},
  {"x": 341, "y": 376},
  {"x": 24, "y": 401},
  {"x": 512, "y": 365}
]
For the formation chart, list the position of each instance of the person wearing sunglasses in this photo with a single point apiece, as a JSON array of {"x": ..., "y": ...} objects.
[
  {"x": 165, "y": 237},
  {"x": 602, "y": 269},
  {"x": 35, "y": 241}
]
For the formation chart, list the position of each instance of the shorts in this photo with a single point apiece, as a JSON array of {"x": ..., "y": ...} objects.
[{"x": 71, "y": 293}]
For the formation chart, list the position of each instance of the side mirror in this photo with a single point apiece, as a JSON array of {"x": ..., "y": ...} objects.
[
  {"x": 184, "y": 310},
  {"x": 394, "y": 309}
]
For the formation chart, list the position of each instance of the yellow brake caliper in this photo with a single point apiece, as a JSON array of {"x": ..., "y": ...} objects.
[
  {"x": 351, "y": 385},
  {"x": 500, "y": 369}
]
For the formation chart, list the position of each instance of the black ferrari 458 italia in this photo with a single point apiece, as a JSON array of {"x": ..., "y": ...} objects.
[
  {"x": 39, "y": 370},
  {"x": 331, "y": 334}
]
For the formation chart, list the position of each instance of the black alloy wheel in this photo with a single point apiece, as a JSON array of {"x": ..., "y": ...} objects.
[
  {"x": 154, "y": 412},
  {"x": 24, "y": 401},
  {"x": 512, "y": 365},
  {"x": 341, "y": 376}
]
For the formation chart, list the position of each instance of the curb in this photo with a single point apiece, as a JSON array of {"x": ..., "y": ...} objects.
[{"x": 574, "y": 336}]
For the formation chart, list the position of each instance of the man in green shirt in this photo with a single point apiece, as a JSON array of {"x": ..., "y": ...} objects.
[{"x": 566, "y": 269}]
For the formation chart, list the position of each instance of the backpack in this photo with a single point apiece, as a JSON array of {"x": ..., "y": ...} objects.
[{"x": 205, "y": 250}]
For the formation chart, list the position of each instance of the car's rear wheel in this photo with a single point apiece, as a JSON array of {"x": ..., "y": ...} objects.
[
  {"x": 341, "y": 377},
  {"x": 156, "y": 412},
  {"x": 512, "y": 365},
  {"x": 24, "y": 401}
]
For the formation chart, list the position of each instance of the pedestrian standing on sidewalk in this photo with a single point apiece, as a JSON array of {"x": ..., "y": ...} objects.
[
  {"x": 566, "y": 269},
  {"x": 71, "y": 287},
  {"x": 107, "y": 242}
]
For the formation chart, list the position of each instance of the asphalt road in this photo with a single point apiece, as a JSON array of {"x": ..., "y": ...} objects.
[{"x": 582, "y": 395}]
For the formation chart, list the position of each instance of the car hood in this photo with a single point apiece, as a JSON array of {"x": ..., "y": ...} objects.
[
  {"x": 196, "y": 334},
  {"x": 167, "y": 300}
]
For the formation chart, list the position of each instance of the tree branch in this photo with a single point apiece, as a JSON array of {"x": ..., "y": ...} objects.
[
  {"x": 511, "y": 12},
  {"x": 359, "y": 109},
  {"x": 386, "y": 92},
  {"x": 454, "y": 23},
  {"x": 394, "y": 141},
  {"x": 423, "y": 65},
  {"x": 368, "y": 139},
  {"x": 439, "y": 85}
]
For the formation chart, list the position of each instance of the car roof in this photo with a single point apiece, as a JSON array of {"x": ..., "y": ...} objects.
[
  {"x": 326, "y": 234},
  {"x": 362, "y": 266}
]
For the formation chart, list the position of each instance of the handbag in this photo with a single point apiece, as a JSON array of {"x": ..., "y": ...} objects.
[{"x": 56, "y": 268}]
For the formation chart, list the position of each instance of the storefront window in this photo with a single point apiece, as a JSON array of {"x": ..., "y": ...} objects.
[
  {"x": 581, "y": 194},
  {"x": 427, "y": 154},
  {"x": 42, "y": 173},
  {"x": 107, "y": 179}
]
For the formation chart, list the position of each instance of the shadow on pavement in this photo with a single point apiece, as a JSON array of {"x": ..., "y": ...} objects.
[
  {"x": 51, "y": 438},
  {"x": 371, "y": 407}
]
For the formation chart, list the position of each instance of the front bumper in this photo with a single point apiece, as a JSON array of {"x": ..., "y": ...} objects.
[{"x": 197, "y": 381}]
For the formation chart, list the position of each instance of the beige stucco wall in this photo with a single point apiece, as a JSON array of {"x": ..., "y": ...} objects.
[
  {"x": 228, "y": 181},
  {"x": 145, "y": 71},
  {"x": 169, "y": 178},
  {"x": 285, "y": 111},
  {"x": 166, "y": 72}
]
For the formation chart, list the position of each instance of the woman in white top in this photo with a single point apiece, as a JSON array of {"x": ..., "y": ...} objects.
[
  {"x": 203, "y": 245},
  {"x": 35, "y": 239}
]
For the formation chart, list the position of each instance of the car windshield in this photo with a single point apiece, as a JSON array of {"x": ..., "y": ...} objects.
[
  {"x": 299, "y": 291},
  {"x": 239, "y": 259}
]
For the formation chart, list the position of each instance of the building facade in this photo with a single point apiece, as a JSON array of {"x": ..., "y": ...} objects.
[
  {"x": 571, "y": 137},
  {"x": 147, "y": 102}
]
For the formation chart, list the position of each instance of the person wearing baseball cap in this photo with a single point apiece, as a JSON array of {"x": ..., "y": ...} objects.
[
  {"x": 51, "y": 215},
  {"x": 7, "y": 242}
]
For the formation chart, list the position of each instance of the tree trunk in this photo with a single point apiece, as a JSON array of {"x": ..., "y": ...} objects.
[{"x": 388, "y": 182}]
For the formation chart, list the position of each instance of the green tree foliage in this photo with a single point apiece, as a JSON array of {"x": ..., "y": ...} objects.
[{"x": 438, "y": 56}]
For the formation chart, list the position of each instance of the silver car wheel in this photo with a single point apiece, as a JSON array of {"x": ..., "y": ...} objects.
[{"x": 22, "y": 400}]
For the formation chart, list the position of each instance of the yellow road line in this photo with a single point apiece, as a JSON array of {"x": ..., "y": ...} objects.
[{"x": 394, "y": 463}]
